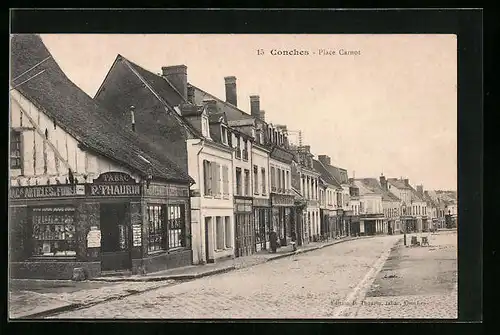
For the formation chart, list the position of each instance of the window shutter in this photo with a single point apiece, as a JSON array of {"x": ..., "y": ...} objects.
[
  {"x": 225, "y": 177},
  {"x": 218, "y": 179},
  {"x": 206, "y": 177},
  {"x": 214, "y": 177}
]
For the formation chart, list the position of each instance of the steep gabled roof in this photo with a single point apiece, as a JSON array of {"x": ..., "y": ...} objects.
[
  {"x": 398, "y": 183},
  {"x": 414, "y": 195},
  {"x": 81, "y": 116},
  {"x": 327, "y": 177},
  {"x": 232, "y": 112},
  {"x": 374, "y": 185}
]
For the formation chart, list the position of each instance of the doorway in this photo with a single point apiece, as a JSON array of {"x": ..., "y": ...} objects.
[{"x": 115, "y": 237}]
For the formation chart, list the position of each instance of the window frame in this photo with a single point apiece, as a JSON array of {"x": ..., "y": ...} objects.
[
  {"x": 18, "y": 156},
  {"x": 40, "y": 221}
]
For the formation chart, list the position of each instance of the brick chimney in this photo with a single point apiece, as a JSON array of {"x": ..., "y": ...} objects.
[
  {"x": 383, "y": 182},
  {"x": 407, "y": 183},
  {"x": 177, "y": 76},
  {"x": 324, "y": 159},
  {"x": 263, "y": 115},
  {"x": 231, "y": 96},
  {"x": 420, "y": 190},
  {"x": 190, "y": 94},
  {"x": 255, "y": 106}
]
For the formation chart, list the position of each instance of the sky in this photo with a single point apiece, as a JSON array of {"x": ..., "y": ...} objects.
[{"x": 389, "y": 107}]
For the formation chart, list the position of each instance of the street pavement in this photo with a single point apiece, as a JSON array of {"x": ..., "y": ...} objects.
[
  {"x": 415, "y": 283},
  {"x": 308, "y": 285}
]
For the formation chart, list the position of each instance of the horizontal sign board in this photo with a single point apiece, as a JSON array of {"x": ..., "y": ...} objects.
[{"x": 48, "y": 191}]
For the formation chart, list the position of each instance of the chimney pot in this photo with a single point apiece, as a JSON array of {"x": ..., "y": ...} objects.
[
  {"x": 324, "y": 159},
  {"x": 177, "y": 76},
  {"x": 383, "y": 182},
  {"x": 255, "y": 106},
  {"x": 190, "y": 94},
  {"x": 231, "y": 93}
]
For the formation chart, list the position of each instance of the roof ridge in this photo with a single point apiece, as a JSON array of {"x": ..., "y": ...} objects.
[{"x": 223, "y": 101}]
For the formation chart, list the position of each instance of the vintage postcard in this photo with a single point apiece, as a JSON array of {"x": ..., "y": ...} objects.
[{"x": 199, "y": 176}]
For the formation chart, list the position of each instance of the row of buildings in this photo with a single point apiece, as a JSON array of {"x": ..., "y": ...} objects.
[{"x": 154, "y": 172}]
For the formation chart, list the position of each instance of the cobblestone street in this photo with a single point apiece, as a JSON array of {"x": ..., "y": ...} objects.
[{"x": 307, "y": 285}]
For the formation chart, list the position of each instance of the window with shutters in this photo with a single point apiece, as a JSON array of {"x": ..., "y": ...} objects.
[
  {"x": 225, "y": 182},
  {"x": 263, "y": 180},
  {"x": 287, "y": 181},
  {"x": 217, "y": 180},
  {"x": 283, "y": 185},
  {"x": 238, "y": 182},
  {"x": 207, "y": 178},
  {"x": 247, "y": 182},
  {"x": 255, "y": 179}
]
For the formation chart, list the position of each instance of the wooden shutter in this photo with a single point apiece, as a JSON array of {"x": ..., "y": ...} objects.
[
  {"x": 206, "y": 177},
  {"x": 217, "y": 179},
  {"x": 225, "y": 179}
]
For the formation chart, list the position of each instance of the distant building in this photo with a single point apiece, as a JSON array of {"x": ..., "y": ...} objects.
[{"x": 371, "y": 209}]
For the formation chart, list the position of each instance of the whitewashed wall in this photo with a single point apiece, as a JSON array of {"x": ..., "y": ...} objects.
[{"x": 49, "y": 160}]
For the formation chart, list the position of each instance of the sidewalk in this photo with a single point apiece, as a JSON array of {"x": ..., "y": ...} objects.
[
  {"x": 30, "y": 298},
  {"x": 198, "y": 271}
]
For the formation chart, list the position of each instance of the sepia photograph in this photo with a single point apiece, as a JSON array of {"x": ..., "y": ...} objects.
[{"x": 233, "y": 176}]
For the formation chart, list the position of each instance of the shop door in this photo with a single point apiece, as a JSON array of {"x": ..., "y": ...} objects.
[{"x": 115, "y": 237}]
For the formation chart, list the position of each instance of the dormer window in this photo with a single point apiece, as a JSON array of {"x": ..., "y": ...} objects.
[
  {"x": 205, "y": 129},
  {"x": 224, "y": 136}
]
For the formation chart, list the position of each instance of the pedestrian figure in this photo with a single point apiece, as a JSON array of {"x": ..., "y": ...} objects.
[
  {"x": 294, "y": 238},
  {"x": 273, "y": 239}
]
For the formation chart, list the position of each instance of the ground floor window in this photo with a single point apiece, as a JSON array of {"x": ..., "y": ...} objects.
[
  {"x": 176, "y": 226},
  {"x": 156, "y": 219},
  {"x": 227, "y": 228},
  {"x": 166, "y": 227},
  {"x": 53, "y": 231}
]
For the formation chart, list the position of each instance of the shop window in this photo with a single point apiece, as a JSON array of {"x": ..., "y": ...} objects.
[
  {"x": 15, "y": 149},
  {"x": 176, "y": 226},
  {"x": 156, "y": 219},
  {"x": 227, "y": 230},
  {"x": 53, "y": 231},
  {"x": 219, "y": 226}
]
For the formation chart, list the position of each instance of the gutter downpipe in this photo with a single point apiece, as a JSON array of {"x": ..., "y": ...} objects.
[{"x": 200, "y": 253}]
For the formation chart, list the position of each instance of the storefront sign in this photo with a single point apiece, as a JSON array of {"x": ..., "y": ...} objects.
[
  {"x": 49, "y": 191},
  {"x": 115, "y": 177},
  {"x": 137, "y": 235},
  {"x": 94, "y": 239},
  {"x": 242, "y": 205},
  {"x": 110, "y": 190},
  {"x": 114, "y": 184},
  {"x": 261, "y": 203},
  {"x": 282, "y": 200},
  {"x": 156, "y": 190}
]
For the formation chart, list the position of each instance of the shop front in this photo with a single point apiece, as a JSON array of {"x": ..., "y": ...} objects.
[
  {"x": 98, "y": 227},
  {"x": 355, "y": 227},
  {"x": 262, "y": 223},
  {"x": 244, "y": 223},
  {"x": 281, "y": 217}
]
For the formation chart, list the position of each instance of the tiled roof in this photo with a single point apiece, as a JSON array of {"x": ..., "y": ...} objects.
[
  {"x": 398, "y": 183},
  {"x": 414, "y": 195},
  {"x": 232, "y": 112},
  {"x": 80, "y": 115},
  {"x": 325, "y": 175},
  {"x": 374, "y": 185},
  {"x": 336, "y": 173}
]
